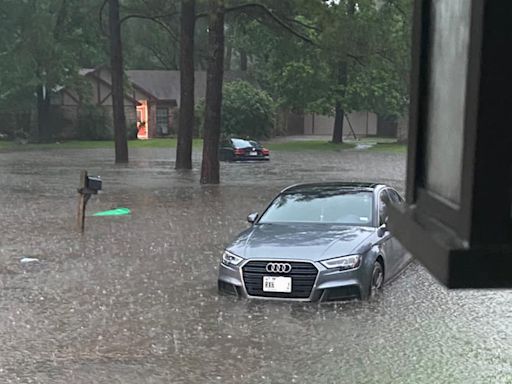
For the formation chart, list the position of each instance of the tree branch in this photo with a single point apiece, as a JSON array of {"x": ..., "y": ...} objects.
[
  {"x": 159, "y": 57},
  {"x": 162, "y": 16},
  {"x": 58, "y": 30},
  {"x": 381, "y": 54},
  {"x": 4, "y": 12},
  {"x": 101, "y": 17},
  {"x": 172, "y": 33},
  {"x": 308, "y": 26},
  {"x": 268, "y": 12},
  {"x": 398, "y": 8},
  {"x": 357, "y": 59}
]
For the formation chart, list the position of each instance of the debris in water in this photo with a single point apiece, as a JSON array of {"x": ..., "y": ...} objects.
[
  {"x": 114, "y": 212},
  {"x": 27, "y": 260},
  {"x": 365, "y": 146}
]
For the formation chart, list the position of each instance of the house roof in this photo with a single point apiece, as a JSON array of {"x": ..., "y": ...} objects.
[
  {"x": 85, "y": 71},
  {"x": 164, "y": 85}
]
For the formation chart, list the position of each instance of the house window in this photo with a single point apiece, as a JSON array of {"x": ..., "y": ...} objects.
[{"x": 162, "y": 120}]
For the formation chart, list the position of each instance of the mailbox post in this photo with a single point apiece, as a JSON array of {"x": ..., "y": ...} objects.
[{"x": 88, "y": 186}]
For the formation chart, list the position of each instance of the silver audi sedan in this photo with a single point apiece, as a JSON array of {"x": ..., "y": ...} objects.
[{"x": 316, "y": 242}]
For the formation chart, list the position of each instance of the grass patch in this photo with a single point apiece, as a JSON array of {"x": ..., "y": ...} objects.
[
  {"x": 389, "y": 147},
  {"x": 161, "y": 143},
  {"x": 86, "y": 144},
  {"x": 5, "y": 144},
  {"x": 308, "y": 146},
  {"x": 292, "y": 146}
]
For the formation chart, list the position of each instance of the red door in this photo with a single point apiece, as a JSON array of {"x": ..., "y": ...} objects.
[{"x": 142, "y": 120}]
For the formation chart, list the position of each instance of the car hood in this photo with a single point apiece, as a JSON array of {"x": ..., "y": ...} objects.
[{"x": 300, "y": 241}]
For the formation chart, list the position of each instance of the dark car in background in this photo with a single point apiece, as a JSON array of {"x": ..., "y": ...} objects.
[
  {"x": 234, "y": 149},
  {"x": 316, "y": 242}
]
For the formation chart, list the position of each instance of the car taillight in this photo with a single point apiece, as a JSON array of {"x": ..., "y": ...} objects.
[
  {"x": 239, "y": 152},
  {"x": 265, "y": 152}
]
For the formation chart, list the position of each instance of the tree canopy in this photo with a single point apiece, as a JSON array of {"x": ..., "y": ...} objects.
[{"x": 292, "y": 49}]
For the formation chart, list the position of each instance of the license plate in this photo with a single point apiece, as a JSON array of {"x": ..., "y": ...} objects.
[
  {"x": 253, "y": 154},
  {"x": 277, "y": 284}
]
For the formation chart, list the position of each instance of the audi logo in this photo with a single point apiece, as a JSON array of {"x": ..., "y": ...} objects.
[{"x": 278, "y": 268}]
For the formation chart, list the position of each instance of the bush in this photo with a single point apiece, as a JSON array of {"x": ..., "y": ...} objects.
[
  {"x": 94, "y": 123},
  {"x": 15, "y": 125},
  {"x": 246, "y": 111},
  {"x": 131, "y": 131}
]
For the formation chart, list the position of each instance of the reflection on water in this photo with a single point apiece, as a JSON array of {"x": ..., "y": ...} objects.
[{"x": 135, "y": 300}]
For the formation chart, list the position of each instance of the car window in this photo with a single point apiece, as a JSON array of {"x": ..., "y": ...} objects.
[
  {"x": 255, "y": 144},
  {"x": 239, "y": 143},
  {"x": 395, "y": 197},
  {"x": 354, "y": 208},
  {"x": 383, "y": 206}
]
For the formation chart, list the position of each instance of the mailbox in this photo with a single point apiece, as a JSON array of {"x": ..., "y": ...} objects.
[
  {"x": 88, "y": 186},
  {"x": 94, "y": 184}
]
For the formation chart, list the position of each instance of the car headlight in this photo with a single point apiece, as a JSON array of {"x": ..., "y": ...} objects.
[
  {"x": 343, "y": 263},
  {"x": 229, "y": 258}
]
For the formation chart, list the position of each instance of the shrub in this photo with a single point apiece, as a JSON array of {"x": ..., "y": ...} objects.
[
  {"x": 246, "y": 111},
  {"x": 94, "y": 123},
  {"x": 199, "y": 118}
]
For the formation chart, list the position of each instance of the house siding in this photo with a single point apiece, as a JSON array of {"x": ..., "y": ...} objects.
[{"x": 66, "y": 110}]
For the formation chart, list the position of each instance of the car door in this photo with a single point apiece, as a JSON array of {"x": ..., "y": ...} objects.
[
  {"x": 388, "y": 244},
  {"x": 226, "y": 150}
]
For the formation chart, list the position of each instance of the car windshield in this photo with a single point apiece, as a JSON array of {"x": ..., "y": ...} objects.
[
  {"x": 341, "y": 207},
  {"x": 239, "y": 143},
  {"x": 255, "y": 144}
]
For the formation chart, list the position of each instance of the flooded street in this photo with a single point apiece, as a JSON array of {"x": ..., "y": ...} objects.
[{"x": 135, "y": 299}]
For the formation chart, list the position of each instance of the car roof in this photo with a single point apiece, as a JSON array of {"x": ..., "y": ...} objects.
[
  {"x": 348, "y": 186},
  {"x": 239, "y": 138}
]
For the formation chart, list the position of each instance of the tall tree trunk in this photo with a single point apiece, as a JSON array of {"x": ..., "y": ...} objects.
[
  {"x": 403, "y": 129},
  {"x": 186, "y": 126},
  {"x": 43, "y": 115},
  {"x": 337, "y": 133},
  {"x": 286, "y": 120},
  {"x": 116, "y": 64},
  {"x": 243, "y": 60},
  {"x": 229, "y": 55},
  {"x": 210, "y": 164}
]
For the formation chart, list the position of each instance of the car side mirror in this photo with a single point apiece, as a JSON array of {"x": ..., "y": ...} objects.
[
  {"x": 381, "y": 231},
  {"x": 252, "y": 217}
]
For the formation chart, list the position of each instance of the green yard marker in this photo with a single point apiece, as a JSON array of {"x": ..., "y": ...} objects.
[{"x": 114, "y": 212}]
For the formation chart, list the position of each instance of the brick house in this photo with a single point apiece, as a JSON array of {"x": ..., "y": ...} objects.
[
  {"x": 151, "y": 96},
  {"x": 151, "y": 106}
]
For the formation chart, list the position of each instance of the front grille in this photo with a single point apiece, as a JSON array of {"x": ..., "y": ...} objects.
[{"x": 303, "y": 276}]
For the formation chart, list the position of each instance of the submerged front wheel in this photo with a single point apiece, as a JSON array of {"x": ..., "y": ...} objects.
[{"x": 377, "y": 279}]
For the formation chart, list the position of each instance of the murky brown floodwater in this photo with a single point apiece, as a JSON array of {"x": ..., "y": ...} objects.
[{"x": 134, "y": 300}]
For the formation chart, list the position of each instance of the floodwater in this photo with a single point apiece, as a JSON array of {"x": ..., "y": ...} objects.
[{"x": 134, "y": 300}]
